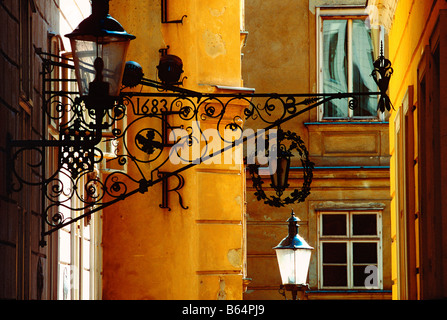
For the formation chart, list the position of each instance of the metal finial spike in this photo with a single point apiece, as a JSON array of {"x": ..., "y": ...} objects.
[{"x": 294, "y": 217}]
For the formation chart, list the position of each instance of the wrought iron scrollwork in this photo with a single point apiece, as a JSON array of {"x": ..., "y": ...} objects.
[
  {"x": 295, "y": 147},
  {"x": 382, "y": 74},
  {"x": 140, "y": 132}
]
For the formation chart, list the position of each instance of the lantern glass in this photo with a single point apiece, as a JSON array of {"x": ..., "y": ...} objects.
[
  {"x": 112, "y": 50},
  {"x": 293, "y": 265},
  {"x": 279, "y": 177},
  {"x": 101, "y": 41}
]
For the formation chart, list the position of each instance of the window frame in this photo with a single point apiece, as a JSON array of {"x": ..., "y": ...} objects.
[
  {"x": 334, "y": 13},
  {"x": 77, "y": 247},
  {"x": 350, "y": 239},
  {"x": 26, "y": 63}
]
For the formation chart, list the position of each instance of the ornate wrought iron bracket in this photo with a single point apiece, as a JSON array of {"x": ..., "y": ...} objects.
[{"x": 136, "y": 141}]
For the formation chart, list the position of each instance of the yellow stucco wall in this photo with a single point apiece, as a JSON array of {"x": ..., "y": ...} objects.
[
  {"x": 413, "y": 25},
  {"x": 197, "y": 253}
]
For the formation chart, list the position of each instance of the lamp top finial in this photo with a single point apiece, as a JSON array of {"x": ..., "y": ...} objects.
[
  {"x": 293, "y": 241},
  {"x": 293, "y": 217}
]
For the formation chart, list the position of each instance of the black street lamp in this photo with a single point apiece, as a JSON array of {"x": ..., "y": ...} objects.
[
  {"x": 99, "y": 45},
  {"x": 293, "y": 254}
]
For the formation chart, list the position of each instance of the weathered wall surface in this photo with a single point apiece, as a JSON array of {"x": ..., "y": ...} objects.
[
  {"x": 281, "y": 56},
  {"x": 198, "y": 252}
]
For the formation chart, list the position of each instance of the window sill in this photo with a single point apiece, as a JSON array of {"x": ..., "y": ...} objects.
[
  {"x": 347, "y": 122},
  {"x": 348, "y": 291},
  {"x": 349, "y": 294}
]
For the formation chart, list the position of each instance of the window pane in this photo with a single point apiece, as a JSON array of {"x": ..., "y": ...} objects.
[
  {"x": 334, "y": 252},
  {"x": 364, "y": 252},
  {"x": 86, "y": 253},
  {"x": 86, "y": 285},
  {"x": 334, "y": 224},
  {"x": 335, "y": 276},
  {"x": 335, "y": 73},
  {"x": 362, "y": 60},
  {"x": 364, "y": 224},
  {"x": 65, "y": 281}
]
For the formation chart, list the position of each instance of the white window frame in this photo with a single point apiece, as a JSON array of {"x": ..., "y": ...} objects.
[
  {"x": 79, "y": 256},
  {"x": 349, "y": 239},
  {"x": 340, "y": 12}
]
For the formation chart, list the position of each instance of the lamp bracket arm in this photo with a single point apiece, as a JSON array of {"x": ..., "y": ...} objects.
[{"x": 164, "y": 14}]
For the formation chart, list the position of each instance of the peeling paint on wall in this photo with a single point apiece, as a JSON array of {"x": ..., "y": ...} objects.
[
  {"x": 221, "y": 295},
  {"x": 234, "y": 257},
  {"x": 214, "y": 44},
  {"x": 217, "y": 12}
]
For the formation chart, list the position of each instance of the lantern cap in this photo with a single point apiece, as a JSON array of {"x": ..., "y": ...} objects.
[
  {"x": 170, "y": 68},
  {"x": 100, "y": 24},
  {"x": 293, "y": 241},
  {"x": 133, "y": 74}
]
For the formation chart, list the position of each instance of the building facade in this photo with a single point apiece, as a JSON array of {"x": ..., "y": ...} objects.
[
  {"x": 323, "y": 46},
  {"x": 145, "y": 246},
  {"x": 134, "y": 249},
  {"x": 417, "y": 145},
  {"x": 28, "y": 270},
  {"x": 375, "y": 215}
]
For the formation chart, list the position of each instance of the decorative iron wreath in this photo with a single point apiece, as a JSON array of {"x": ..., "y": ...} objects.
[{"x": 297, "y": 195}]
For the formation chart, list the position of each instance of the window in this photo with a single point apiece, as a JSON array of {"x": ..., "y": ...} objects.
[
  {"x": 347, "y": 49},
  {"x": 77, "y": 245},
  {"x": 78, "y": 262},
  {"x": 350, "y": 250},
  {"x": 25, "y": 50},
  {"x": 53, "y": 85}
]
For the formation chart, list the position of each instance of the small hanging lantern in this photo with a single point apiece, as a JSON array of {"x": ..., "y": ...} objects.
[
  {"x": 280, "y": 174},
  {"x": 279, "y": 171}
]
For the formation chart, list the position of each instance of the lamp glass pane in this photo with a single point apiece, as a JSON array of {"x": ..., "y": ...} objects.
[
  {"x": 293, "y": 265},
  {"x": 279, "y": 176},
  {"x": 113, "y": 54}
]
